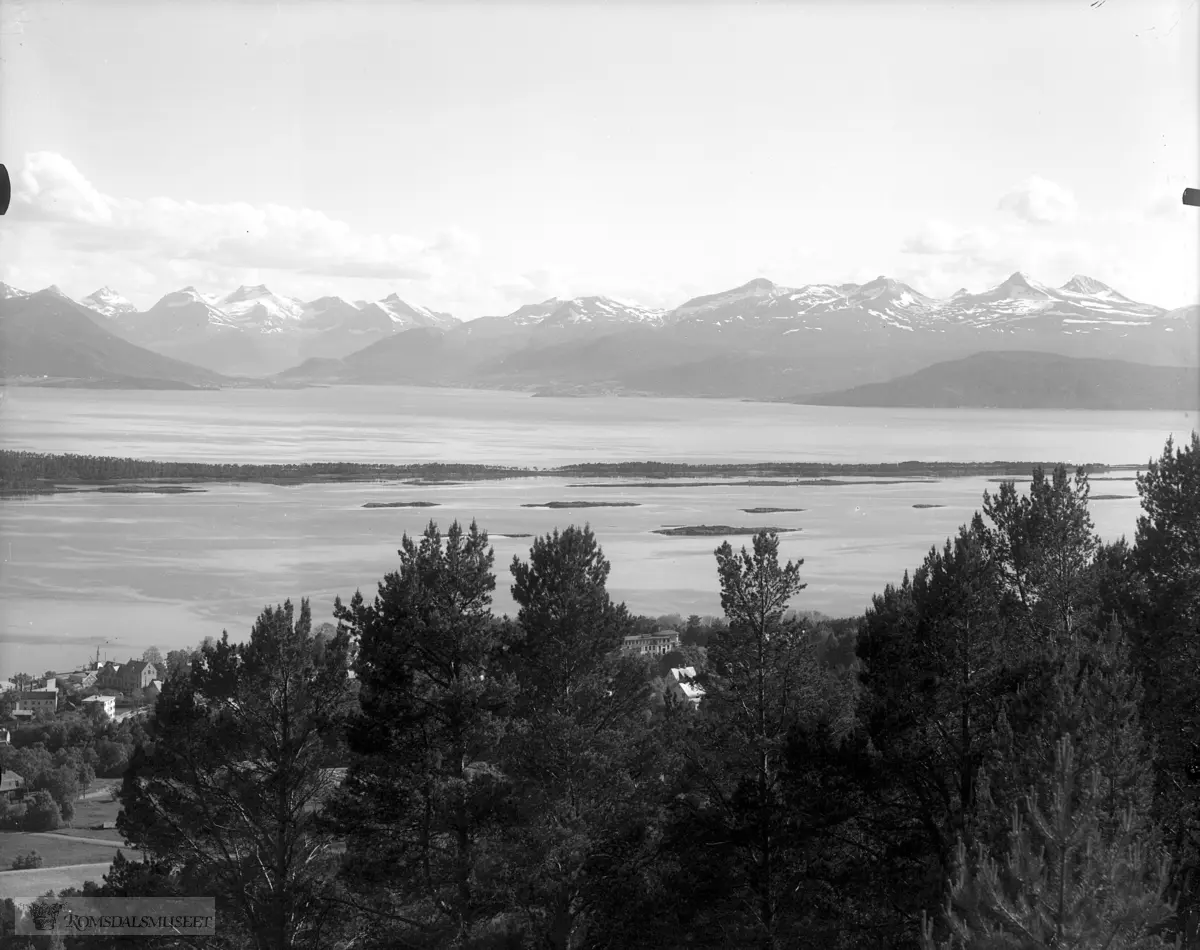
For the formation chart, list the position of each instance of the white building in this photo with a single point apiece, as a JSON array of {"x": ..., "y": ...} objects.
[
  {"x": 683, "y": 685},
  {"x": 659, "y": 643},
  {"x": 107, "y": 703}
]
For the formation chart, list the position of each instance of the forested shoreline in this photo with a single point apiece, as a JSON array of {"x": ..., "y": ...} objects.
[
  {"x": 35, "y": 472},
  {"x": 1004, "y": 751}
]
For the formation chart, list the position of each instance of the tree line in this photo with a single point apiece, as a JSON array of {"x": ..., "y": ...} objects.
[
  {"x": 1002, "y": 752},
  {"x": 31, "y": 471}
]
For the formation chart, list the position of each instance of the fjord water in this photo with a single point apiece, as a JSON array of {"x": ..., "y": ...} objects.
[
  {"x": 77, "y": 570},
  {"x": 409, "y": 424}
]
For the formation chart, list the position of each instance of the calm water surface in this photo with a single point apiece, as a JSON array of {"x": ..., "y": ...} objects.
[{"x": 134, "y": 570}]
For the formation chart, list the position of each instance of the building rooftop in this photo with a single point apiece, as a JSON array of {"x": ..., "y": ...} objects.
[{"x": 10, "y": 780}]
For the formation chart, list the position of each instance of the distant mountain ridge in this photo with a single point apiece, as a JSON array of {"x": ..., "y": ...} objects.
[
  {"x": 1020, "y": 380},
  {"x": 47, "y": 335},
  {"x": 757, "y": 340},
  {"x": 254, "y": 331}
]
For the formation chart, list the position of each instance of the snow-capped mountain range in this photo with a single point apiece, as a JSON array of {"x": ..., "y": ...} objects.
[
  {"x": 776, "y": 332},
  {"x": 888, "y": 302}
]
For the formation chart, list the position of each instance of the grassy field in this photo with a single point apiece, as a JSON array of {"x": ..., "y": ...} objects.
[
  {"x": 56, "y": 850},
  {"x": 94, "y": 811},
  {"x": 30, "y": 885}
]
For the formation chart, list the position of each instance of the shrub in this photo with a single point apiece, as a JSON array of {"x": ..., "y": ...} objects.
[
  {"x": 27, "y": 862},
  {"x": 41, "y": 812}
]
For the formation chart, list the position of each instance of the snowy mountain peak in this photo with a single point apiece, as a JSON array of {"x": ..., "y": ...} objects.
[
  {"x": 405, "y": 316},
  {"x": 598, "y": 309},
  {"x": 258, "y": 309},
  {"x": 1019, "y": 284},
  {"x": 759, "y": 283},
  {"x": 961, "y": 292},
  {"x": 1089, "y": 286},
  {"x": 108, "y": 302},
  {"x": 7, "y": 292},
  {"x": 246, "y": 292}
]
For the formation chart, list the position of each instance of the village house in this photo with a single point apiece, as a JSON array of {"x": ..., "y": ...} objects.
[
  {"x": 681, "y": 682},
  {"x": 36, "y": 701},
  {"x": 658, "y": 643},
  {"x": 12, "y": 785},
  {"x": 107, "y": 703},
  {"x": 106, "y": 675},
  {"x": 85, "y": 679}
]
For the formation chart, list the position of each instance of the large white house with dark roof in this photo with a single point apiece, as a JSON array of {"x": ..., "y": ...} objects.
[{"x": 659, "y": 643}]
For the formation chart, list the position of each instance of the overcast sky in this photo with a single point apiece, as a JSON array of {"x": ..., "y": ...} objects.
[{"x": 475, "y": 158}]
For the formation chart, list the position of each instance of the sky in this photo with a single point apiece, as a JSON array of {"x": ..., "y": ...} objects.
[{"x": 473, "y": 158}]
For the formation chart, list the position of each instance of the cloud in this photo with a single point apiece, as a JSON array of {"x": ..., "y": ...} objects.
[
  {"x": 51, "y": 189},
  {"x": 1038, "y": 201},
  {"x": 939, "y": 237}
]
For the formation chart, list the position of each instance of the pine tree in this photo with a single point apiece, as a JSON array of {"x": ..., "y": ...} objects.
[
  {"x": 226, "y": 795},
  {"x": 761, "y": 680},
  {"x": 1085, "y": 688},
  {"x": 1166, "y": 647},
  {"x": 425, "y": 801},
  {"x": 1044, "y": 545},
  {"x": 1065, "y": 884},
  {"x": 574, "y": 747}
]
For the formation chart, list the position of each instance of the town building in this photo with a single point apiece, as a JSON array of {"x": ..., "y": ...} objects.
[
  {"x": 682, "y": 684},
  {"x": 12, "y": 785},
  {"x": 136, "y": 674},
  {"x": 107, "y": 703},
  {"x": 106, "y": 675},
  {"x": 37, "y": 700},
  {"x": 658, "y": 643}
]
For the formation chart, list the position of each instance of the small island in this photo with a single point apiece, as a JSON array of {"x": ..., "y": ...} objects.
[
  {"x": 148, "y": 489},
  {"x": 584, "y": 504},
  {"x": 924, "y": 505},
  {"x": 769, "y": 511},
  {"x": 401, "y": 504},
  {"x": 713, "y": 531},
  {"x": 1109, "y": 497}
]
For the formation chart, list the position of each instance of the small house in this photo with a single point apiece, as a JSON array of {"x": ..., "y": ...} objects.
[
  {"x": 107, "y": 703},
  {"x": 682, "y": 683},
  {"x": 12, "y": 785}
]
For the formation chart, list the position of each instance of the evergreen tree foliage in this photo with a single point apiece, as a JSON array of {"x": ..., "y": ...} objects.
[
  {"x": 578, "y": 744},
  {"x": 1044, "y": 545},
  {"x": 226, "y": 795},
  {"x": 1064, "y": 884},
  {"x": 1088, "y": 690},
  {"x": 425, "y": 802},
  {"x": 761, "y": 680},
  {"x": 1166, "y": 647}
]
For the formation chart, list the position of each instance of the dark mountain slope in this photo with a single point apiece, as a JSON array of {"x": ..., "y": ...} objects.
[
  {"x": 45, "y": 334},
  {"x": 1026, "y": 380}
]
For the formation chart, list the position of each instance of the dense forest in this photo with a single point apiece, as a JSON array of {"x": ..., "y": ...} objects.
[
  {"x": 1002, "y": 752},
  {"x": 34, "y": 472}
]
